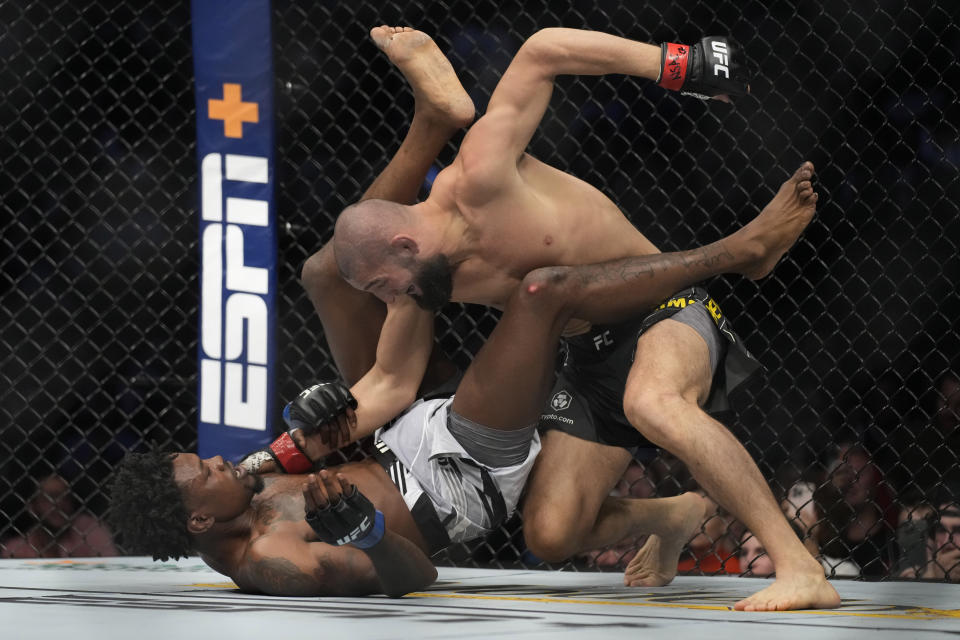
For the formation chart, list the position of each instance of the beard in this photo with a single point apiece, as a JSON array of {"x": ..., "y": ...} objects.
[
  {"x": 435, "y": 280},
  {"x": 258, "y": 484}
]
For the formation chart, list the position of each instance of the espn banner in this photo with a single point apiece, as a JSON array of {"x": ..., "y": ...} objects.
[{"x": 234, "y": 92}]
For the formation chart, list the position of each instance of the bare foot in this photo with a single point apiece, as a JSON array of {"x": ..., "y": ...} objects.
[
  {"x": 771, "y": 234},
  {"x": 436, "y": 88},
  {"x": 793, "y": 591},
  {"x": 656, "y": 562}
]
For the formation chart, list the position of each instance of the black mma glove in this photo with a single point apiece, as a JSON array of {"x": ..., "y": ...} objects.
[
  {"x": 350, "y": 520},
  {"x": 707, "y": 69},
  {"x": 318, "y": 405}
]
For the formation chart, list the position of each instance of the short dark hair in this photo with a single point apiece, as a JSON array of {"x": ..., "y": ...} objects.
[{"x": 147, "y": 508}]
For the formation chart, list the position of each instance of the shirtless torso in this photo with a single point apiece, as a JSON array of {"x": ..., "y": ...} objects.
[
  {"x": 527, "y": 216},
  {"x": 255, "y": 550}
]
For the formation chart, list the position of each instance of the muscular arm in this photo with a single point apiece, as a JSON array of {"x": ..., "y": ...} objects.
[
  {"x": 403, "y": 350},
  {"x": 284, "y": 565},
  {"x": 388, "y": 388},
  {"x": 523, "y": 93}
]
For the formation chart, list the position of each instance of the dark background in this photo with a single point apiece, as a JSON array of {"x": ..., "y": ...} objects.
[{"x": 98, "y": 271}]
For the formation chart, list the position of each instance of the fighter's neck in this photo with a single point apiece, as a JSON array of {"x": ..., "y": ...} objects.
[
  {"x": 223, "y": 544},
  {"x": 445, "y": 230},
  {"x": 240, "y": 526}
]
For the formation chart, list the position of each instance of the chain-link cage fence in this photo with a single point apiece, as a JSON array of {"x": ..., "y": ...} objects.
[{"x": 855, "y": 423}]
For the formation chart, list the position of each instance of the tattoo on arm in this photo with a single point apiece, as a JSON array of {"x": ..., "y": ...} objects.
[
  {"x": 279, "y": 576},
  {"x": 648, "y": 266}
]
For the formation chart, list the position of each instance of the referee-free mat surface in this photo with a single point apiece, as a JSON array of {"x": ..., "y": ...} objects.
[{"x": 140, "y": 599}]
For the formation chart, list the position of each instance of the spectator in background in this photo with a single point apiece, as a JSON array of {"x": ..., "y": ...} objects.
[
  {"x": 946, "y": 544},
  {"x": 808, "y": 520},
  {"x": 754, "y": 560},
  {"x": 861, "y": 510},
  {"x": 941, "y": 553},
  {"x": 914, "y": 543},
  {"x": 61, "y": 530}
]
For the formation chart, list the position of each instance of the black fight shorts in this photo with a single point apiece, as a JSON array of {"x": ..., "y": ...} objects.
[{"x": 587, "y": 397}]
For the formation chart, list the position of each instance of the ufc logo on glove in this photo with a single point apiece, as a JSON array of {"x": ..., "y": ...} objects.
[{"x": 720, "y": 52}]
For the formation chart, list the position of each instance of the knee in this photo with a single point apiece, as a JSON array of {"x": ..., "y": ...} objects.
[
  {"x": 547, "y": 286},
  {"x": 548, "y": 538},
  {"x": 649, "y": 411}
]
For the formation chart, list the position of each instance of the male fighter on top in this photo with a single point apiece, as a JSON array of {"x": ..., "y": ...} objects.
[{"x": 497, "y": 213}]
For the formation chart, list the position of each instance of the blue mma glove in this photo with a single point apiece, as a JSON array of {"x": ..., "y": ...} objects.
[{"x": 350, "y": 520}]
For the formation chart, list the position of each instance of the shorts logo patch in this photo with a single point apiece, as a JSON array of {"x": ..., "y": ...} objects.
[{"x": 561, "y": 400}]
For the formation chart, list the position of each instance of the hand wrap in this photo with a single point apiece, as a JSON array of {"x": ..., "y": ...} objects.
[
  {"x": 350, "y": 520},
  {"x": 318, "y": 405},
  {"x": 289, "y": 458},
  {"x": 707, "y": 69}
]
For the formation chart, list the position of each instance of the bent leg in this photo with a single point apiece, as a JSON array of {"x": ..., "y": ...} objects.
[
  {"x": 669, "y": 379},
  {"x": 351, "y": 318},
  {"x": 568, "y": 509},
  {"x": 565, "y": 491},
  {"x": 621, "y": 289},
  {"x": 441, "y": 108},
  {"x": 515, "y": 365}
]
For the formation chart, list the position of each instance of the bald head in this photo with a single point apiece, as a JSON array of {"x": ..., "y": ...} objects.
[
  {"x": 380, "y": 247},
  {"x": 364, "y": 232}
]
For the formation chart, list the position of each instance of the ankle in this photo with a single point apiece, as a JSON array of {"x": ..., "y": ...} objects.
[{"x": 808, "y": 567}]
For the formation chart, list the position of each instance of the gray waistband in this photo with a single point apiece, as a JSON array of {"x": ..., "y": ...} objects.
[{"x": 491, "y": 447}]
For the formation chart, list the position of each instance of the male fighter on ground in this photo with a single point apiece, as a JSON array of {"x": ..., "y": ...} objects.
[
  {"x": 495, "y": 214},
  {"x": 459, "y": 463}
]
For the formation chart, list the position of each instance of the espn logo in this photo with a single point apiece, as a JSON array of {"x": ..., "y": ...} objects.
[
  {"x": 234, "y": 318},
  {"x": 721, "y": 53}
]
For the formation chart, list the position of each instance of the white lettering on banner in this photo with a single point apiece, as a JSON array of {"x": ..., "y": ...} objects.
[
  {"x": 238, "y": 325},
  {"x": 239, "y": 276},
  {"x": 211, "y": 280}
]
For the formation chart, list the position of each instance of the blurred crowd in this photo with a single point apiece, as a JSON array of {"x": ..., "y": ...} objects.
[
  {"x": 61, "y": 528},
  {"x": 846, "y": 513}
]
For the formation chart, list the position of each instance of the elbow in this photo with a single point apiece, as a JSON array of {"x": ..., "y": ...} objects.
[
  {"x": 544, "y": 49},
  {"x": 404, "y": 391},
  {"x": 428, "y": 577}
]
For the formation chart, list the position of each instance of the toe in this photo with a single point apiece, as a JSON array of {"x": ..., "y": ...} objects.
[{"x": 804, "y": 172}]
